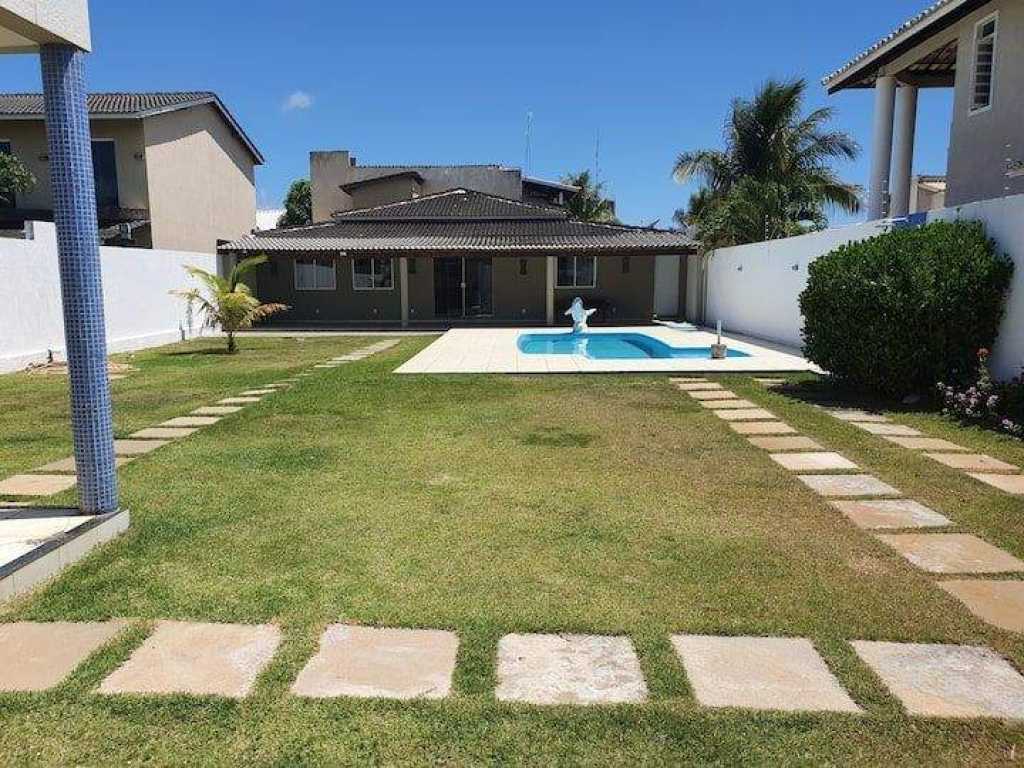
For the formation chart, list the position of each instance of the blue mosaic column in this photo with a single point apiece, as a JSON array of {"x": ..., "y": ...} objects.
[{"x": 74, "y": 212}]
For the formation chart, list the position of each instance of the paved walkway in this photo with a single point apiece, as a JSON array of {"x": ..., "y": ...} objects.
[
  {"x": 782, "y": 674},
  {"x": 905, "y": 525},
  {"x": 23, "y": 534}
]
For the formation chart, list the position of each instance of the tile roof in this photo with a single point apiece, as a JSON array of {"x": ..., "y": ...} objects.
[
  {"x": 127, "y": 105},
  {"x": 910, "y": 27},
  {"x": 462, "y": 220}
]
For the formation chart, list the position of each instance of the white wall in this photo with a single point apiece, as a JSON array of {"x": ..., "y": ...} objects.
[
  {"x": 754, "y": 289},
  {"x": 139, "y": 310}
]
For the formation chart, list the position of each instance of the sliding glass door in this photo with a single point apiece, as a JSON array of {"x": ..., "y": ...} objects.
[{"x": 463, "y": 287}]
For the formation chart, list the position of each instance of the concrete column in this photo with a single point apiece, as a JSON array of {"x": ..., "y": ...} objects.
[
  {"x": 552, "y": 265},
  {"x": 881, "y": 147},
  {"x": 903, "y": 159},
  {"x": 74, "y": 213},
  {"x": 403, "y": 288}
]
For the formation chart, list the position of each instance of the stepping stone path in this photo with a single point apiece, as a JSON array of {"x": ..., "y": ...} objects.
[
  {"x": 952, "y": 553},
  {"x": 946, "y": 680},
  {"x": 216, "y": 410},
  {"x": 772, "y": 673},
  {"x": 712, "y": 394},
  {"x": 1012, "y": 484},
  {"x": 745, "y": 414},
  {"x": 569, "y": 669},
  {"x": 198, "y": 659},
  {"x": 36, "y": 485},
  {"x": 190, "y": 421},
  {"x": 372, "y": 662},
  {"x": 891, "y": 513},
  {"x": 137, "y": 447},
  {"x": 721, "y": 404},
  {"x": 895, "y": 430},
  {"x": 68, "y": 465},
  {"x": 163, "y": 433},
  {"x": 924, "y": 443},
  {"x": 762, "y": 428},
  {"x": 1000, "y": 603},
  {"x": 974, "y": 462},
  {"x": 47, "y": 653},
  {"x": 847, "y": 485},
  {"x": 784, "y": 443},
  {"x": 808, "y": 462},
  {"x": 239, "y": 400},
  {"x": 258, "y": 392}
]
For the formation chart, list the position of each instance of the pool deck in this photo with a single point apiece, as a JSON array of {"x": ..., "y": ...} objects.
[{"x": 494, "y": 350}]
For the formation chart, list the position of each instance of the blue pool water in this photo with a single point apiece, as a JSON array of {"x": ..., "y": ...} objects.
[{"x": 611, "y": 346}]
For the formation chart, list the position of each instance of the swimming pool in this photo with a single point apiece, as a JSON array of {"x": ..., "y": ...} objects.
[{"x": 611, "y": 346}]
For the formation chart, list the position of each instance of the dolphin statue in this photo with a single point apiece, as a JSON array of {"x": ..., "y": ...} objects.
[{"x": 579, "y": 315}]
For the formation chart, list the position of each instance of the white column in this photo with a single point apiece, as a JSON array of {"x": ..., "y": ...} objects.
[
  {"x": 551, "y": 266},
  {"x": 903, "y": 159},
  {"x": 881, "y": 147},
  {"x": 403, "y": 288}
]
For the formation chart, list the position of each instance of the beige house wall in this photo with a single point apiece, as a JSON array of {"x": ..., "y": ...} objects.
[
  {"x": 202, "y": 183},
  {"x": 29, "y": 144}
]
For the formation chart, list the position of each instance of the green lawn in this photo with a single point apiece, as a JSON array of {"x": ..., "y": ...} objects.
[{"x": 488, "y": 505}]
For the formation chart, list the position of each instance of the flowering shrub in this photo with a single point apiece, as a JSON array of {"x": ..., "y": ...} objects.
[{"x": 986, "y": 402}]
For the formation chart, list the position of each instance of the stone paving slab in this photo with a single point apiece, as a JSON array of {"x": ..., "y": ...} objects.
[
  {"x": 190, "y": 421},
  {"x": 770, "y": 382},
  {"x": 22, "y": 530},
  {"x": 891, "y": 513},
  {"x": 47, "y": 653},
  {"x": 372, "y": 662},
  {"x": 238, "y": 400},
  {"x": 163, "y": 433},
  {"x": 811, "y": 461},
  {"x": 762, "y": 428},
  {"x": 745, "y": 414},
  {"x": 924, "y": 443},
  {"x": 847, "y": 485},
  {"x": 718, "y": 405},
  {"x": 973, "y": 462},
  {"x": 569, "y": 669},
  {"x": 258, "y": 392},
  {"x": 799, "y": 443},
  {"x": 894, "y": 430},
  {"x": 1012, "y": 484},
  {"x": 198, "y": 659},
  {"x": 952, "y": 553},
  {"x": 1000, "y": 603},
  {"x": 68, "y": 465},
  {"x": 216, "y": 410},
  {"x": 36, "y": 485},
  {"x": 772, "y": 673},
  {"x": 946, "y": 680},
  {"x": 863, "y": 417},
  {"x": 137, "y": 447},
  {"x": 713, "y": 394},
  {"x": 687, "y": 379},
  {"x": 698, "y": 386},
  {"x": 327, "y": 365}
]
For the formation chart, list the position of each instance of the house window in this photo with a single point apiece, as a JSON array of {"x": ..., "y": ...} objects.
[
  {"x": 577, "y": 272},
  {"x": 983, "y": 78},
  {"x": 372, "y": 274},
  {"x": 104, "y": 171},
  {"x": 315, "y": 275}
]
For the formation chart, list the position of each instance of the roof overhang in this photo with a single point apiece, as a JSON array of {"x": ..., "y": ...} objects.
[
  {"x": 27, "y": 24},
  {"x": 862, "y": 71},
  {"x": 352, "y": 186}
]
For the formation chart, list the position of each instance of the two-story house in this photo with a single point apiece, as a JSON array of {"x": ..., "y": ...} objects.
[{"x": 172, "y": 170}]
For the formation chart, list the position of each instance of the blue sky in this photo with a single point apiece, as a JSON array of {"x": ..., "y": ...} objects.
[{"x": 452, "y": 82}]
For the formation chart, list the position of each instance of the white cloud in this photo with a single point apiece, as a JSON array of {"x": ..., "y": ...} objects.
[{"x": 297, "y": 100}]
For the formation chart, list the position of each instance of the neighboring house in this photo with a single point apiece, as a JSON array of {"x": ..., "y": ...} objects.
[
  {"x": 927, "y": 193},
  {"x": 172, "y": 170},
  {"x": 338, "y": 183},
  {"x": 976, "y": 48},
  {"x": 462, "y": 255},
  {"x": 267, "y": 218}
]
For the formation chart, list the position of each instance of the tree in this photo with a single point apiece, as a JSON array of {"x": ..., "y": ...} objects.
[
  {"x": 774, "y": 178},
  {"x": 228, "y": 303},
  {"x": 589, "y": 204},
  {"x": 298, "y": 205},
  {"x": 15, "y": 178}
]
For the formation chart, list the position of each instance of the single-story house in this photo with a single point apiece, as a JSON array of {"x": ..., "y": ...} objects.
[
  {"x": 465, "y": 256},
  {"x": 975, "y": 47}
]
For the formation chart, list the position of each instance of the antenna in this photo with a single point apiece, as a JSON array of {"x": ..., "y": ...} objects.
[
  {"x": 597, "y": 157},
  {"x": 529, "y": 142}
]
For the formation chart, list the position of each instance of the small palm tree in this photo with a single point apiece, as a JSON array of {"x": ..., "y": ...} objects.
[{"x": 228, "y": 303}]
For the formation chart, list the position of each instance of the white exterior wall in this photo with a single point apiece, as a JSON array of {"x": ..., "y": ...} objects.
[
  {"x": 754, "y": 290},
  {"x": 139, "y": 310}
]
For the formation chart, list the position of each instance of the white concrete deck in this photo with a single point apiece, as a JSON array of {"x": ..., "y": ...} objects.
[{"x": 494, "y": 350}]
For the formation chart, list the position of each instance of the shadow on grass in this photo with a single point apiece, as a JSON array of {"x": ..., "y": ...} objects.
[
  {"x": 829, "y": 393},
  {"x": 204, "y": 351},
  {"x": 555, "y": 437}
]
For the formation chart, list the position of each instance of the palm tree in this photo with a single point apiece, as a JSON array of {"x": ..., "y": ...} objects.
[
  {"x": 774, "y": 173},
  {"x": 589, "y": 204},
  {"x": 228, "y": 303}
]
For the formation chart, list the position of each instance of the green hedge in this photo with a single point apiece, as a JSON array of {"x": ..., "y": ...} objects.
[{"x": 897, "y": 313}]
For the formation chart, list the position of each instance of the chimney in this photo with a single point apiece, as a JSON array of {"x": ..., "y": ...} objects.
[{"x": 327, "y": 172}]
